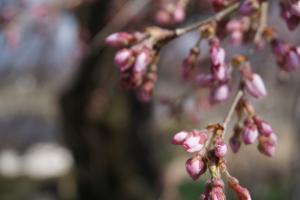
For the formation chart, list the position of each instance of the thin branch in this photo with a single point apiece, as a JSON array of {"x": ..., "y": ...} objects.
[
  {"x": 227, "y": 119},
  {"x": 218, "y": 17},
  {"x": 262, "y": 22}
]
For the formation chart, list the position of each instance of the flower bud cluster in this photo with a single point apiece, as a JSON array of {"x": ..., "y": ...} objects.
[
  {"x": 218, "y": 80},
  {"x": 287, "y": 55},
  {"x": 171, "y": 13},
  {"x": 290, "y": 12},
  {"x": 137, "y": 58},
  {"x": 213, "y": 190},
  {"x": 253, "y": 129},
  {"x": 193, "y": 141}
]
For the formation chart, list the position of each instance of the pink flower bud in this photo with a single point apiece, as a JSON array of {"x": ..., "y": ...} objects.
[
  {"x": 267, "y": 145},
  {"x": 279, "y": 47},
  {"x": 241, "y": 192},
  {"x": 163, "y": 17},
  {"x": 189, "y": 64},
  {"x": 179, "y": 14},
  {"x": 220, "y": 94},
  {"x": 213, "y": 190},
  {"x": 124, "y": 59},
  {"x": 195, "y": 141},
  {"x": 180, "y": 137},
  {"x": 195, "y": 167},
  {"x": 291, "y": 19},
  {"x": 291, "y": 61},
  {"x": 204, "y": 80},
  {"x": 119, "y": 39},
  {"x": 220, "y": 72},
  {"x": 264, "y": 128},
  {"x": 143, "y": 59},
  {"x": 220, "y": 149},
  {"x": 217, "y": 55},
  {"x": 250, "y": 132},
  {"x": 249, "y": 7},
  {"x": 295, "y": 8},
  {"x": 255, "y": 86},
  {"x": 235, "y": 144}
]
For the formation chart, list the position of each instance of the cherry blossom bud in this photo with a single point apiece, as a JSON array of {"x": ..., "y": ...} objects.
[
  {"x": 204, "y": 80},
  {"x": 195, "y": 141},
  {"x": 217, "y": 55},
  {"x": 235, "y": 28},
  {"x": 179, "y": 14},
  {"x": 163, "y": 17},
  {"x": 220, "y": 72},
  {"x": 291, "y": 61},
  {"x": 119, "y": 39},
  {"x": 195, "y": 167},
  {"x": 267, "y": 145},
  {"x": 287, "y": 14},
  {"x": 124, "y": 59},
  {"x": 220, "y": 149},
  {"x": 249, "y": 7},
  {"x": 189, "y": 63},
  {"x": 264, "y": 128},
  {"x": 180, "y": 137},
  {"x": 235, "y": 144},
  {"x": 250, "y": 132},
  {"x": 279, "y": 47},
  {"x": 241, "y": 192},
  {"x": 220, "y": 94},
  {"x": 255, "y": 86},
  {"x": 295, "y": 8},
  {"x": 143, "y": 59}
]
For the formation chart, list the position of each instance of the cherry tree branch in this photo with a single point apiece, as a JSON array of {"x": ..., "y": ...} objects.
[{"x": 228, "y": 117}]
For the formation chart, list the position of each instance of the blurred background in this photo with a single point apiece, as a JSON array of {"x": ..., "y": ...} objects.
[{"x": 67, "y": 130}]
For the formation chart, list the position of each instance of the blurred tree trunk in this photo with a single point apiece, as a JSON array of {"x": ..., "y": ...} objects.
[{"x": 110, "y": 164}]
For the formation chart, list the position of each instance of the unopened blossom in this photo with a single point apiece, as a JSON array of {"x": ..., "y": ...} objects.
[
  {"x": 295, "y": 8},
  {"x": 195, "y": 167},
  {"x": 220, "y": 72},
  {"x": 267, "y": 145},
  {"x": 171, "y": 13},
  {"x": 143, "y": 59},
  {"x": 291, "y": 60},
  {"x": 249, "y": 132},
  {"x": 195, "y": 141},
  {"x": 213, "y": 190},
  {"x": 264, "y": 128},
  {"x": 180, "y": 137},
  {"x": 289, "y": 14},
  {"x": 235, "y": 143},
  {"x": 189, "y": 63},
  {"x": 220, "y": 149},
  {"x": 235, "y": 29},
  {"x": 124, "y": 59},
  {"x": 249, "y": 7},
  {"x": 119, "y": 39},
  {"x": 220, "y": 93},
  {"x": 217, "y": 53},
  {"x": 241, "y": 192},
  {"x": 255, "y": 86}
]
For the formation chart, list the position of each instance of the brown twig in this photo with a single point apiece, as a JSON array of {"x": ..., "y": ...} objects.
[
  {"x": 228, "y": 117},
  {"x": 218, "y": 17},
  {"x": 262, "y": 21}
]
